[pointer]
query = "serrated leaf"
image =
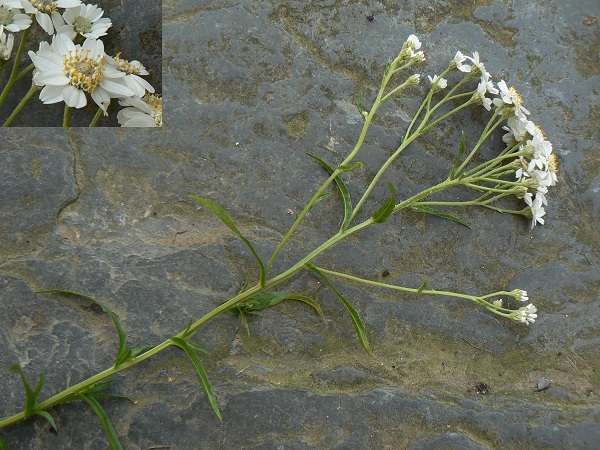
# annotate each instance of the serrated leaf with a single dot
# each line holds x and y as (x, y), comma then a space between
(111, 434)
(424, 285)
(46, 415)
(344, 193)
(382, 214)
(124, 352)
(227, 220)
(30, 394)
(358, 325)
(435, 212)
(204, 382)
(461, 151)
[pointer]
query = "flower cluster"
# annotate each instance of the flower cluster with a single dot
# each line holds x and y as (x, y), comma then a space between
(74, 63)
(536, 166)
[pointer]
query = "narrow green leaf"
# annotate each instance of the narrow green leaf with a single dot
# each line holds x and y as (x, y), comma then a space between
(309, 301)
(187, 329)
(197, 347)
(204, 382)
(109, 395)
(227, 220)
(435, 212)
(30, 395)
(356, 165)
(358, 325)
(344, 193)
(3, 445)
(461, 151)
(382, 214)
(113, 439)
(96, 387)
(245, 323)
(323, 196)
(424, 285)
(139, 350)
(46, 415)
(124, 352)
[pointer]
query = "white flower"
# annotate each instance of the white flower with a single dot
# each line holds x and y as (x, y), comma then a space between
(486, 79)
(86, 21)
(132, 70)
(457, 63)
(481, 91)
(520, 295)
(537, 212)
(11, 16)
(413, 80)
(478, 68)
(46, 14)
(6, 44)
(141, 112)
(510, 96)
(68, 71)
(441, 83)
(528, 314)
(418, 57)
(413, 42)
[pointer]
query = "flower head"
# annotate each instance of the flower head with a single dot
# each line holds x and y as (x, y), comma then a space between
(46, 14)
(132, 71)
(68, 71)
(510, 96)
(12, 18)
(438, 82)
(141, 112)
(477, 68)
(527, 314)
(6, 44)
(86, 21)
(457, 63)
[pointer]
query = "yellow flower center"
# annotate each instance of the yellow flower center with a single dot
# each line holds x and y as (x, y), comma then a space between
(155, 102)
(81, 25)
(553, 163)
(45, 6)
(126, 66)
(84, 72)
(516, 97)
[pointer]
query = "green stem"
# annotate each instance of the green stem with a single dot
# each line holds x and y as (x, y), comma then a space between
(94, 121)
(20, 106)
(67, 116)
(336, 172)
(14, 76)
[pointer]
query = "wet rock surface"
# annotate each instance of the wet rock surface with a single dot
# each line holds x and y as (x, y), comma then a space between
(249, 88)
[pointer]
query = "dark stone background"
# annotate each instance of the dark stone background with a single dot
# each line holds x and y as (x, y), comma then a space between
(250, 86)
(136, 33)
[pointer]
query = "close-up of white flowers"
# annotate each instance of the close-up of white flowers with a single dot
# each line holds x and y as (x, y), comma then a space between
(72, 66)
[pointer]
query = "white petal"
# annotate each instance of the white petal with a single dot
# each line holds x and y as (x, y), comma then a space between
(45, 22)
(74, 97)
(52, 94)
(101, 97)
(53, 77)
(115, 89)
